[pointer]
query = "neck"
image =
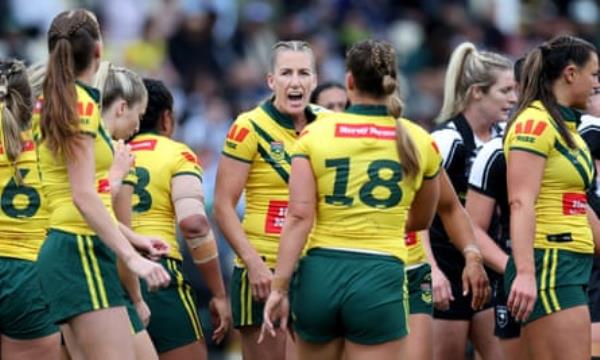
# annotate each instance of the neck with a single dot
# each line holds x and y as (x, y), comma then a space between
(362, 99)
(479, 124)
(562, 94)
(87, 76)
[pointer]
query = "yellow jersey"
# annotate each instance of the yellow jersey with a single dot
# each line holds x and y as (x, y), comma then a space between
(158, 160)
(363, 195)
(23, 214)
(560, 208)
(55, 180)
(263, 138)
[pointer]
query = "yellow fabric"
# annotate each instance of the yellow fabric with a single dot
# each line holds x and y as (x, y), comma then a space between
(23, 213)
(263, 138)
(55, 181)
(157, 160)
(363, 197)
(560, 211)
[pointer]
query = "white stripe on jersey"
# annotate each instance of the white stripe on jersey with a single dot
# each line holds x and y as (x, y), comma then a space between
(483, 161)
(447, 140)
(589, 123)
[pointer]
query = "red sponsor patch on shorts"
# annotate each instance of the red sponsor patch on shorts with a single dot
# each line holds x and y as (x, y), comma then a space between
(574, 203)
(275, 216)
(410, 238)
(365, 131)
(141, 145)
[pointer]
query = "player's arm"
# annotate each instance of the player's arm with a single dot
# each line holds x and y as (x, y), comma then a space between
(123, 162)
(440, 286)
(81, 172)
(422, 209)
(232, 175)
(480, 208)
(460, 231)
(524, 178)
(188, 201)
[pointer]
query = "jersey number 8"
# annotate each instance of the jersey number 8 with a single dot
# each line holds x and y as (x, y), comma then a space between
(145, 199)
(366, 191)
(12, 190)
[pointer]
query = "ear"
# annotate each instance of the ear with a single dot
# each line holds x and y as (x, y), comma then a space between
(350, 85)
(271, 81)
(98, 49)
(313, 86)
(569, 73)
(476, 92)
(121, 107)
(167, 124)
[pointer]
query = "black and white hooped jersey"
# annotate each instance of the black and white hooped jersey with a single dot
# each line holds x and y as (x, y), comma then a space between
(458, 146)
(589, 129)
(488, 177)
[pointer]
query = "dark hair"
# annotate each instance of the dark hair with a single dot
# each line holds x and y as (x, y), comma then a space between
(314, 96)
(518, 69)
(72, 38)
(17, 104)
(543, 65)
(159, 101)
(372, 64)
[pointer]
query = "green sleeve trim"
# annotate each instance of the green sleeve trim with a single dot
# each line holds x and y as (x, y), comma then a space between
(532, 151)
(88, 133)
(436, 173)
(301, 156)
(236, 158)
(189, 173)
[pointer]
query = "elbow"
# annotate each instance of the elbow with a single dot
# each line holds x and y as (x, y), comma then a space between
(81, 198)
(194, 226)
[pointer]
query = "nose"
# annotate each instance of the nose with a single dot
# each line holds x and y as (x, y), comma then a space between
(512, 97)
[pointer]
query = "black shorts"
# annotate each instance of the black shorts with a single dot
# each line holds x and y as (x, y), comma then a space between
(594, 291)
(506, 327)
(451, 262)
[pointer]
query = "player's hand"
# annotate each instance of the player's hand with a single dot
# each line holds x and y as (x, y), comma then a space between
(123, 161)
(152, 247)
(143, 311)
(475, 281)
(153, 274)
(277, 308)
(220, 314)
(442, 291)
(522, 297)
(260, 278)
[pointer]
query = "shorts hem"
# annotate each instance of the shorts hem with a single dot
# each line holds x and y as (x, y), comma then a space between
(312, 338)
(34, 334)
(563, 306)
(379, 340)
(63, 318)
(173, 346)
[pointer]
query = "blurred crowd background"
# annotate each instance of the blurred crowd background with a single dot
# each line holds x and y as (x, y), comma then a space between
(214, 54)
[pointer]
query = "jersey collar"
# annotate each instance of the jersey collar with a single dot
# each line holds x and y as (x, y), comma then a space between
(93, 92)
(372, 110)
(570, 115)
(282, 119)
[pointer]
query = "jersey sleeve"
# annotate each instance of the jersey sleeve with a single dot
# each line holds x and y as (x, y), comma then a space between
(450, 145)
(590, 132)
(186, 162)
(301, 148)
(433, 162)
(489, 171)
(89, 117)
(531, 133)
(241, 142)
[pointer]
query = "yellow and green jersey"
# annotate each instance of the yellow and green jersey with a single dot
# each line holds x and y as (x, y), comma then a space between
(416, 250)
(560, 208)
(263, 138)
(55, 180)
(363, 195)
(23, 214)
(158, 160)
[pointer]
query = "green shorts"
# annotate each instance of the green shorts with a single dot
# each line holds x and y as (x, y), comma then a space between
(174, 321)
(344, 294)
(78, 274)
(561, 277)
(244, 309)
(23, 309)
(137, 325)
(419, 290)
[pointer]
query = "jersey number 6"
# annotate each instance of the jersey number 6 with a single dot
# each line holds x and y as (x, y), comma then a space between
(12, 190)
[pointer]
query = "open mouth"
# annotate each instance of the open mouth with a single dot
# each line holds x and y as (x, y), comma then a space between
(294, 96)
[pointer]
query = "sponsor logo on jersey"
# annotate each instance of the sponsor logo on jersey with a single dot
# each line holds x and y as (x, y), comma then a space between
(275, 216)
(237, 133)
(529, 130)
(28, 145)
(140, 145)
(410, 238)
(277, 150)
(365, 131)
(189, 157)
(86, 109)
(574, 203)
(103, 186)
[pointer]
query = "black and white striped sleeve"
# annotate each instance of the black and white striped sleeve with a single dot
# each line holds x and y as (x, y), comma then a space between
(488, 173)
(451, 146)
(589, 129)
